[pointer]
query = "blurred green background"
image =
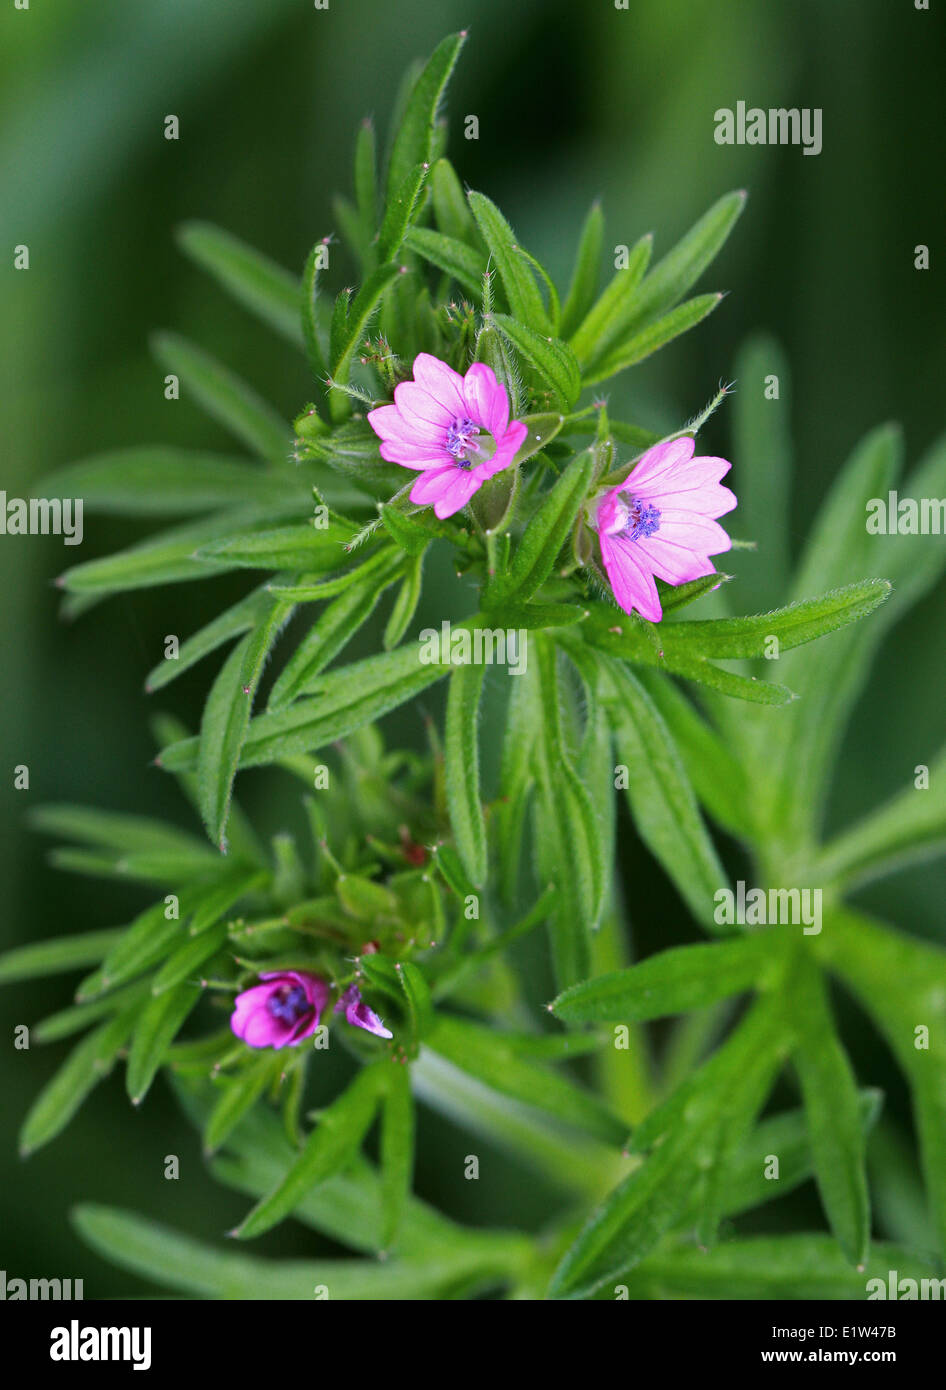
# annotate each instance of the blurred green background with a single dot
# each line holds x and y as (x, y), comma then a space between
(574, 101)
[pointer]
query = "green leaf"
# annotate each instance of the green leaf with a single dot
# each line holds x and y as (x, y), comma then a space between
(661, 798)
(224, 396)
(554, 360)
(675, 981)
(455, 258)
(569, 841)
(257, 282)
(416, 992)
(612, 312)
(226, 719)
(838, 541)
(407, 530)
(484, 1054)
(717, 777)
(762, 444)
(122, 833)
(791, 1267)
(397, 1153)
(612, 632)
(56, 956)
(647, 340)
(311, 328)
(902, 984)
(798, 762)
(347, 336)
(348, 698)
(307, 547)
(523, 716)
(414, 142)
(522, 292)
(584, 280)
(179, 1262)
(232, 622)
(472, 961)
(671, 277)
(89, 1062)
(77, 1017)
(461, 748)
(366, 177)
(337, 624)
(647, 1203)
(142, 944)
(744, 1183)
(402, 211)
(188, 958)
(166, 558)
(240, 1093)
(832, 1110)
(332, 1144)
(405, 605)
(451, 210)
(157, 1026)
(908, 829)
(545, 534)
(798, 623)
(159, 480)
(542, 429)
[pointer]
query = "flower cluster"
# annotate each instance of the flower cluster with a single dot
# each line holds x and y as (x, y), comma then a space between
(287, 1005)
(660, 523)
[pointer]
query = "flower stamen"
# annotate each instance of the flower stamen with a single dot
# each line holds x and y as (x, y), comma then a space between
(460, 442)
(643, 519)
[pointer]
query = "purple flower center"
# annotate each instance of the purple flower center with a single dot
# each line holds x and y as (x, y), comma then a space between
(460, 440)
(288, 1003)
(643, 519)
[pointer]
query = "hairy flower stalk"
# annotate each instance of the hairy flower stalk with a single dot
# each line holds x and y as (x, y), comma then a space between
(454, 429)
(661, 521)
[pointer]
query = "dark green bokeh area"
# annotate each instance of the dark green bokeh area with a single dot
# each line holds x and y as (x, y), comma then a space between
(574, 101)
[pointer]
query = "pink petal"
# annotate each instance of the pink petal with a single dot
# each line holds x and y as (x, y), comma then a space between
(631, 581)
(421, 410)
(413, 455)
(454, 498)
(698, 533)
(246, 1003)
(388, 422)
(661, 460)
(304, 1028)
(486, 400)
(441, 382)
(672, 562)
(698, 474)
(262, 1030)
(432, 484)
(449, 489)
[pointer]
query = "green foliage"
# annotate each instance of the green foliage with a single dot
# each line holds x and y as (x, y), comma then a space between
(425, 871)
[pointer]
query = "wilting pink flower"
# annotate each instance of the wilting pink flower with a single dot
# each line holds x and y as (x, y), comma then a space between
(660, 521)
(454, 429)
(283, 1010)
(358, 1013)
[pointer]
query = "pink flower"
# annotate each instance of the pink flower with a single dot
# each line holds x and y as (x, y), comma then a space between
(660, 521)
(283, 1010)
(358, 1013)
(454, 429)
